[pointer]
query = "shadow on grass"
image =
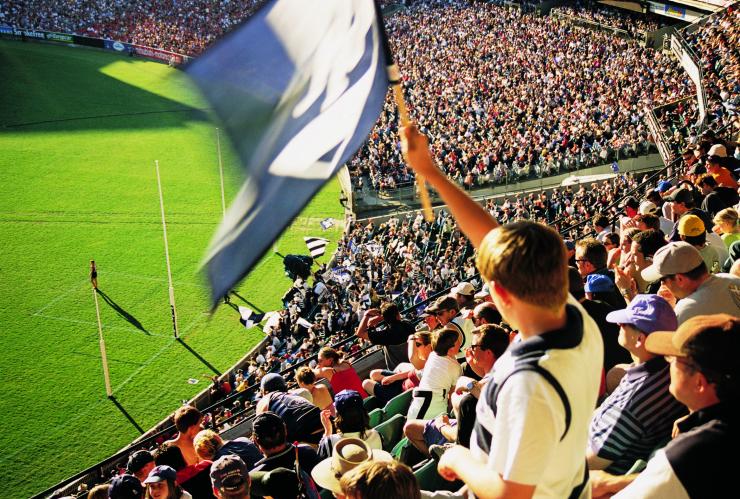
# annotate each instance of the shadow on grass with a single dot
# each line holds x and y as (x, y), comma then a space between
(126, 414)
(124, 314)
(251, 305)
(199, 356)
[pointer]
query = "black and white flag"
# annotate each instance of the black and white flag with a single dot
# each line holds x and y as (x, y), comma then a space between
(297, 88)
(316, 245)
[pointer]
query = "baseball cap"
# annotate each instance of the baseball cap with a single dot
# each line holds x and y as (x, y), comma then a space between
(663, 186)
(441, 304)
(717, 150)
(138, 460)
(673, 258)
(347, 399)
(161, 473)
(463, 288)
(125, 487)
(229, 473)
(630, 201)
(648, 313)
(681, 195)
(273, 382)
(711, 342)
(597, 283)
(647, 207)
(690, 225)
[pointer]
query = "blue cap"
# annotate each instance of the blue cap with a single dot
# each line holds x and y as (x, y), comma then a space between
(347, 399)
(125, 487)
(161, 473)
(598, 283)
(569, 244)
(648, 313)
(663, 185)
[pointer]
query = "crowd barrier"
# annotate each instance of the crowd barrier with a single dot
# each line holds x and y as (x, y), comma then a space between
(132, 49)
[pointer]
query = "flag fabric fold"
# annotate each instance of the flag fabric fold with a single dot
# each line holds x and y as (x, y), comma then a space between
(249, 318)
(297, 88)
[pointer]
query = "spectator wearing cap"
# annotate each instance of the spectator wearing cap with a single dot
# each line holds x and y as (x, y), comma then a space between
(650, 208)
(464, 293)
(681, 269)
(705, 373)
(348, 454)
(598, 310)
(188, 421)
(351, 420)
(140, 463)
(303, 419)
(161, 484)
(682, 202)
(210, 446)
(600, 287)
(269, 433)
(380, 480)
(691, 229)
(386, 327)
(591, 259)
(126, 487)
(717, 155)
(230, 478)
(445, 312)
(638, 415)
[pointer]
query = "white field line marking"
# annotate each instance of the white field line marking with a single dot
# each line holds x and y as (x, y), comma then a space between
(156, 355)
(60, 298)
(105, 327)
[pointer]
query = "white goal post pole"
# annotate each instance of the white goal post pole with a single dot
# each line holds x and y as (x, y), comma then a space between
(221, 171)
(173, 308)
(101, 341)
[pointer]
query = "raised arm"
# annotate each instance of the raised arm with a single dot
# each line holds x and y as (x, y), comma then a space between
(472, 218)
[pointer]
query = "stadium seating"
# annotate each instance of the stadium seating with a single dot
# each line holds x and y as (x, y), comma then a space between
(391, 431)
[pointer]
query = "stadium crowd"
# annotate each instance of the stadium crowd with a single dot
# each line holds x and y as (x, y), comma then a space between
(633, 23)
(531, 97)
(185, 27)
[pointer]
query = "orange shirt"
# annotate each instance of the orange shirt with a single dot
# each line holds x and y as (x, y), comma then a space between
(723, 176)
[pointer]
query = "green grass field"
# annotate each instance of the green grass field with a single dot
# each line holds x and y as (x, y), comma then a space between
(79, 133)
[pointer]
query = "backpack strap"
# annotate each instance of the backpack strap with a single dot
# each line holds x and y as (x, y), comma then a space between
(531, 364)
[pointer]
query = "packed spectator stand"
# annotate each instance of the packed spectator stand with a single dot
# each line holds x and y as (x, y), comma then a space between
(410, 262)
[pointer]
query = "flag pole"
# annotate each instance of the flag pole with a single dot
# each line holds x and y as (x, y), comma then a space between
(173, 309)
(221, 171)
(394, 75)
(101, 342)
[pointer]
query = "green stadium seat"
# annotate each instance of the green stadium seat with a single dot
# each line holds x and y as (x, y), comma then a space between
(405, 452)
(391, 431)
(429, 478)
(371, 403)
(398, 404)
(377, 416)
(326, 494)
